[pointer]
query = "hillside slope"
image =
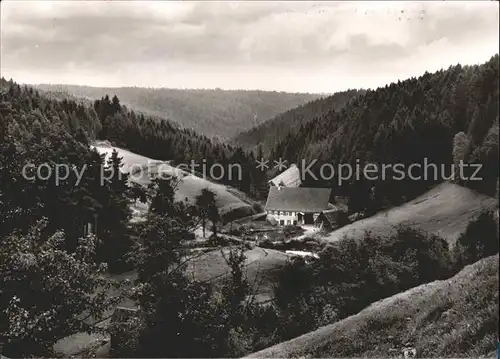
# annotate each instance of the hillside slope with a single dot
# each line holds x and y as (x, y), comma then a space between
(229, 200)
(276, 129)
(445, 211)
(450, 318)
(214, 113)
(261, 269)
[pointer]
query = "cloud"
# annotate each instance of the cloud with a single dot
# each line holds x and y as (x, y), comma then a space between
(281, 43)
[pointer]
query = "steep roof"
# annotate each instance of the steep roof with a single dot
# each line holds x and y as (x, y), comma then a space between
(298, 199)
(334, 217)
(330, 216)
(288, 178)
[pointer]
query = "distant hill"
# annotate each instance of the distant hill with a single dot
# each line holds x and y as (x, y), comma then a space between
(276, 129)
(448, 318)
(214, 113)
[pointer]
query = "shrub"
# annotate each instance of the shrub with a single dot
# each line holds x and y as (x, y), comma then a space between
(479, 240)
(426, 255)
(47, 293)
(236, 229)
(125, 336)
(216, 241)
(292, 231)
(249, 245)
(266, 243)
(257, 208)
(351, 274)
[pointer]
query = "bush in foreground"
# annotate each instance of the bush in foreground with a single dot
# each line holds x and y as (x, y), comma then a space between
(350, 275)
(47, 293)
(479, 240)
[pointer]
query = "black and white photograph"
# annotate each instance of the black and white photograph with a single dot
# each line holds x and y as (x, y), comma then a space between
(249, 179)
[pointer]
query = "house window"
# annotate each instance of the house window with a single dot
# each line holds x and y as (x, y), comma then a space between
(281, 213)
(282, 222)
(294, 223)
(87, 229)
(286, 213)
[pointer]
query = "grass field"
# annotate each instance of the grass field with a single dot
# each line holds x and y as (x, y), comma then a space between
(261, 265)
(457, 317)
(444, 210)
(229, 200)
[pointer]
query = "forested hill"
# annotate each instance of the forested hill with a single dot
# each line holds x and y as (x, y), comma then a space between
(107, 119)
(214, 113)
(276, 129)
(447, 116)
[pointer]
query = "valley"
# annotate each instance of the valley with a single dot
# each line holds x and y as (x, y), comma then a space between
(223, 179)
(280, 268)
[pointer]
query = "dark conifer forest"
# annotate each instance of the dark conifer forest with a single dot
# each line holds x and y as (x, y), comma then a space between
(249, 179)
(447, 116)
(268, 133)
(215, 113)
(444, 117)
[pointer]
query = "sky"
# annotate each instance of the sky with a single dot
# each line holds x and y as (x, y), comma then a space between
(320, 47)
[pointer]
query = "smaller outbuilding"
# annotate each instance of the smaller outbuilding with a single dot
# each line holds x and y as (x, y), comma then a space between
(332, 219)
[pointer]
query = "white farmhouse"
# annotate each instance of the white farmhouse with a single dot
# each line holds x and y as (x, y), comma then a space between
(296, 205)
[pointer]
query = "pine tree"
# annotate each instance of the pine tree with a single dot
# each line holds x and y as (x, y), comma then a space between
(115, 215)
(207, 208)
